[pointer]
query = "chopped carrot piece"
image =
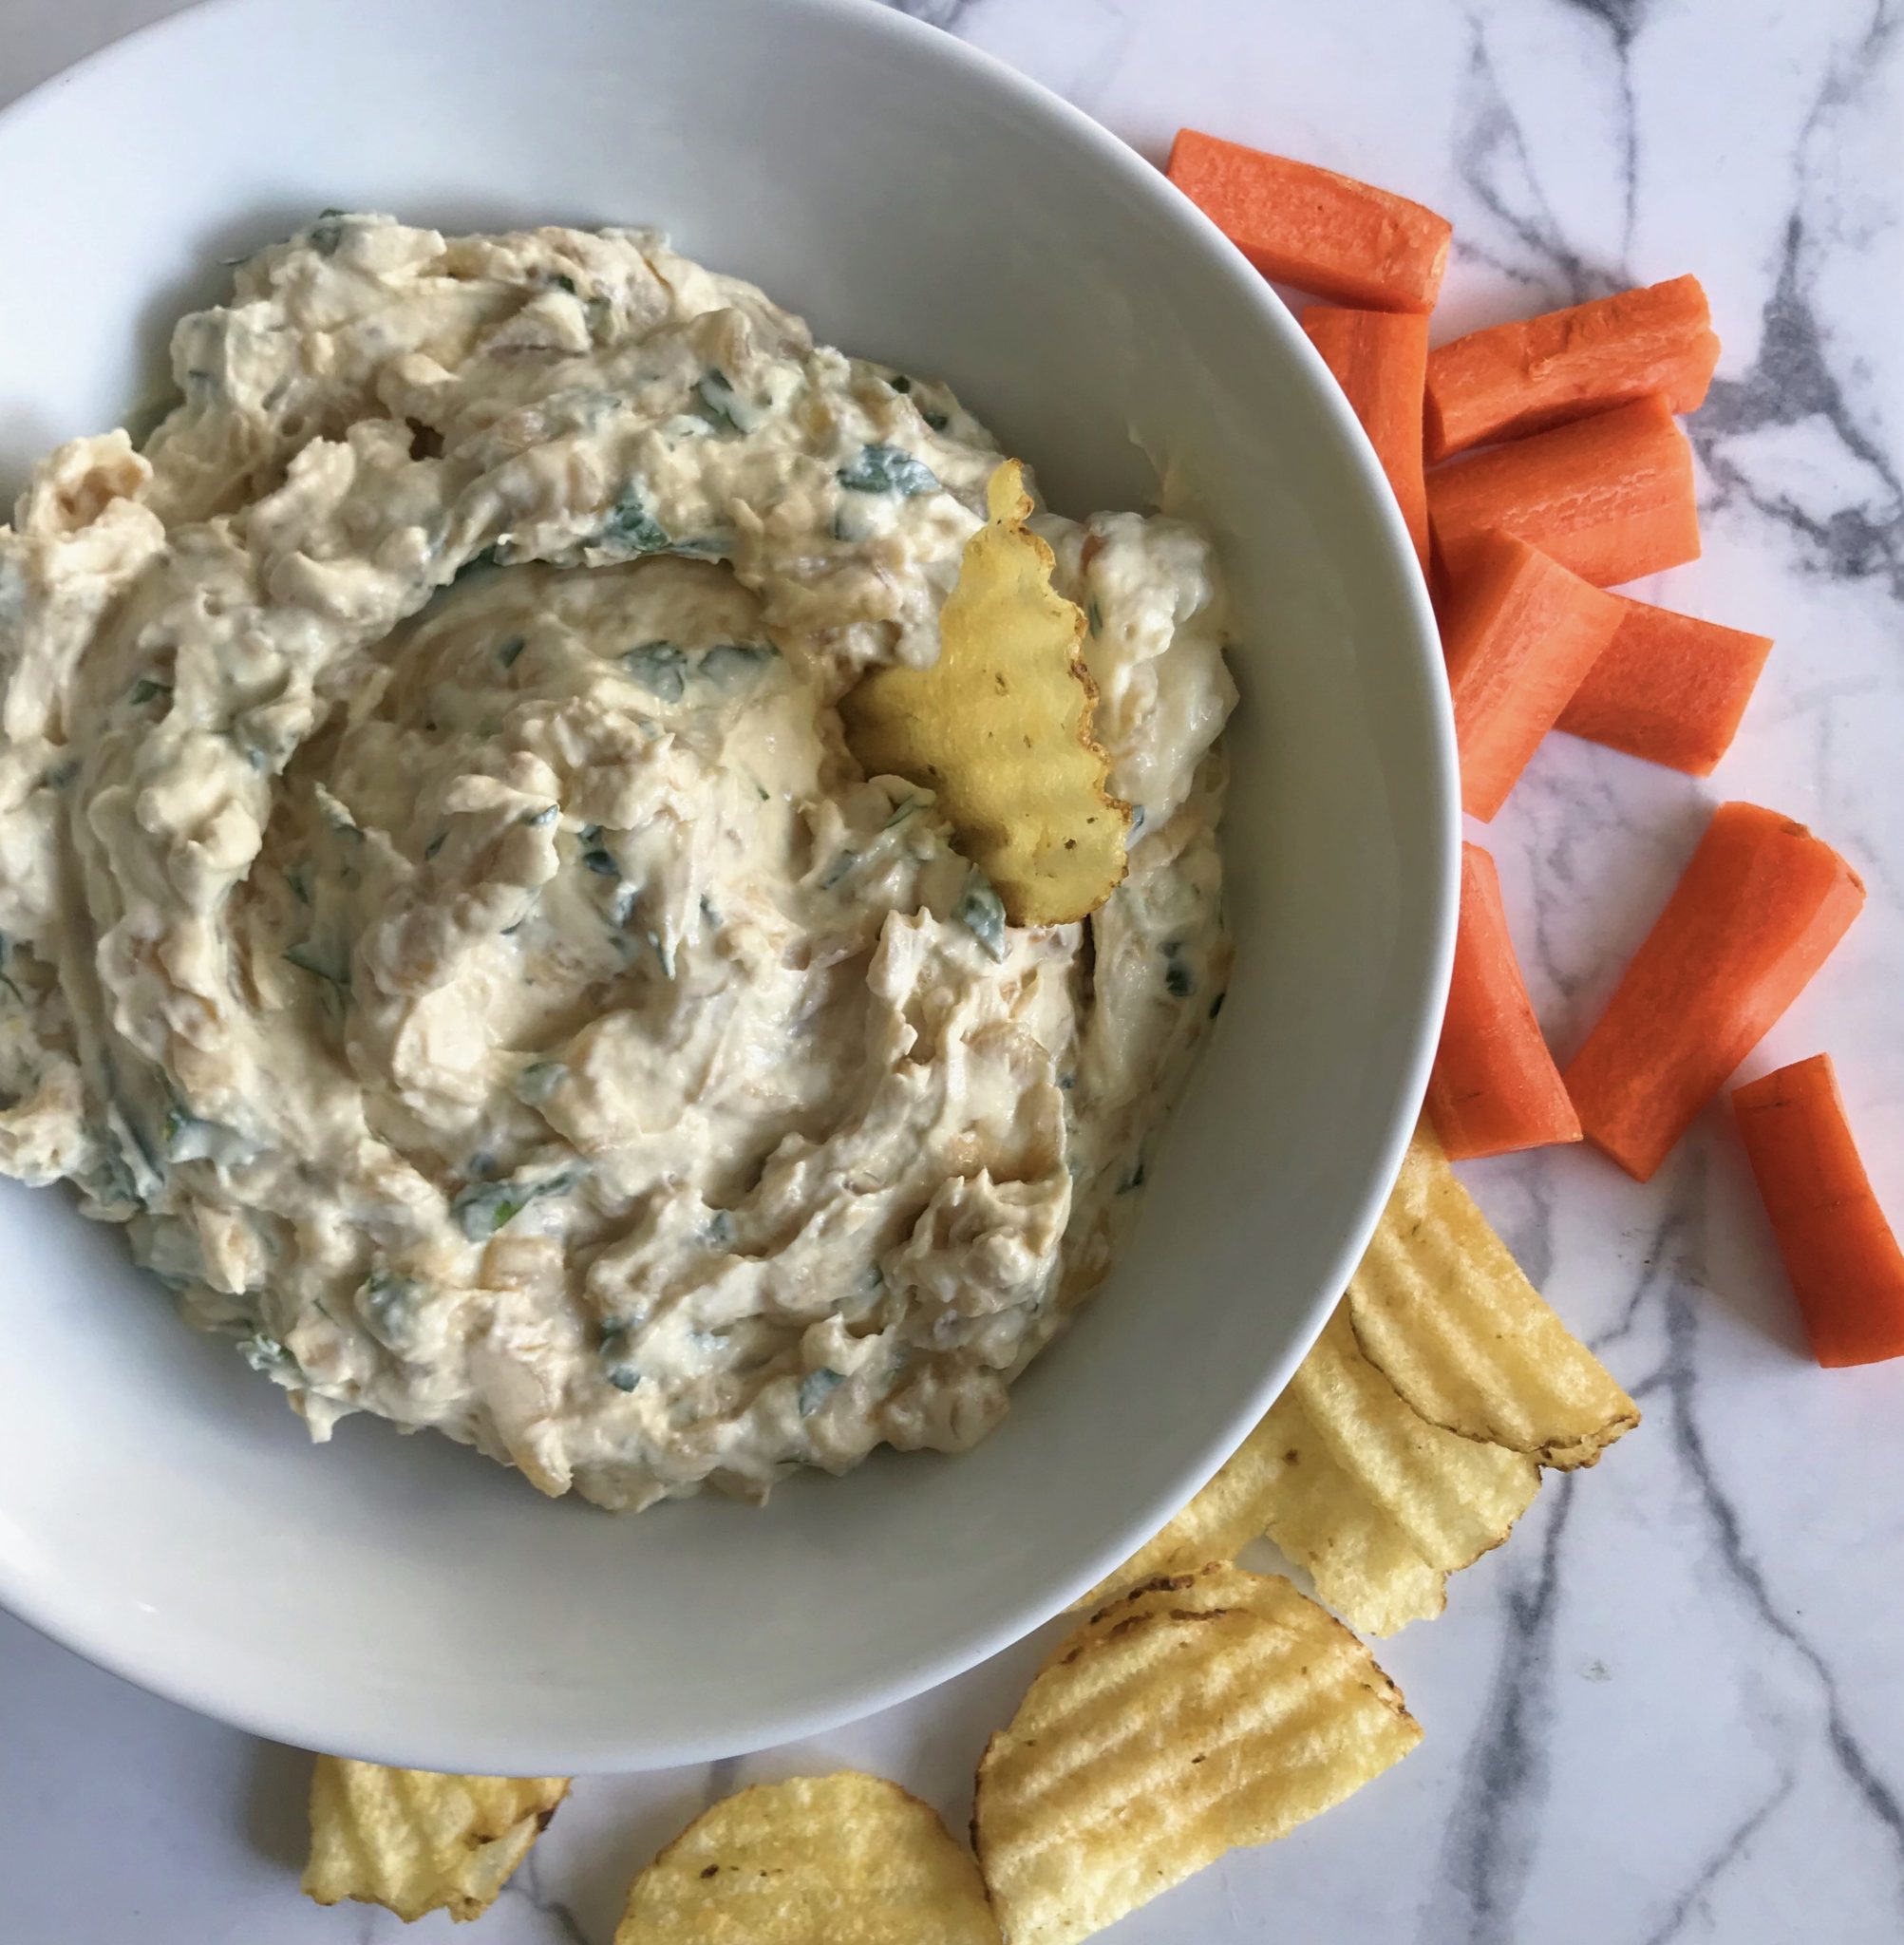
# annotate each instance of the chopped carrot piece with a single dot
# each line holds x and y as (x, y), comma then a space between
(1494, 1089)
(1610, 496)
(1520, 633)
(1378, 358)
(1535, 373)
(1669, 688)
(1330, 234)
(1755, 914)
(1841, 1254)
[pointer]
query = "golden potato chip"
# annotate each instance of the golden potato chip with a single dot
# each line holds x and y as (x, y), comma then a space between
(1283, 1483)
(1442, 1310)
(1363, 1564)
(1222, 1519)
(1200, 1714)
(1454, 1499)
(999, 728)
(845, 1860)
(415, 1842)
(1216, 1584)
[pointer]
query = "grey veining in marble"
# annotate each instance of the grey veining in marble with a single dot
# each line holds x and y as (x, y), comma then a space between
(1671, 1708)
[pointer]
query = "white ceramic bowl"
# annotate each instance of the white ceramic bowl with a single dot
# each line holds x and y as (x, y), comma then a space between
(160, 1511)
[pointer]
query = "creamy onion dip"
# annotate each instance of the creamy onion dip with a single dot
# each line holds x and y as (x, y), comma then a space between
(444, 925)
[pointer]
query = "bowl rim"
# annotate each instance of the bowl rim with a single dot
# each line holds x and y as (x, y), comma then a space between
(159, 1671)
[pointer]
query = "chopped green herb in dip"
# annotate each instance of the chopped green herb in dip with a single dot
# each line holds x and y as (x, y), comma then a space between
(981, 911)
(660, 668)
(816, 1388)
(888, 469)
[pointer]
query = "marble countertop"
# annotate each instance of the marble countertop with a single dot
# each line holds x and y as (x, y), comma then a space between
(1672, 1707)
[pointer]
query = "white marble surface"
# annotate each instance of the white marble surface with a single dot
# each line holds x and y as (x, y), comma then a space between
(1672, 1707)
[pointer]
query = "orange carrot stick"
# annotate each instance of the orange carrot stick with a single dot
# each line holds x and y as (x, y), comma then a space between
(1326, 234)
(1838, 1251)
(1669, 688)
(1494, 1089)
(1535, 373)
(1378, 358)
(1610, 496)
(1757, 912)
(1520, 633)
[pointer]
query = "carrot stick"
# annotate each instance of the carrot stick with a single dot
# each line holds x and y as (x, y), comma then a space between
(1535, 373)
(1838, 1251)
(1330, 234)
(1378, 358)
(1760, 907)
(1669, 688)
(1609, 497)
(1520, 633)
(1494, 1087)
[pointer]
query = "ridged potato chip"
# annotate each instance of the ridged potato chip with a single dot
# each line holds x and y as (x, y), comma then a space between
(999, 728)
(844, 1860)
(1378, 1510)
(1363, 1564)
(1197, 1714)
(1454, 1499)
(1404, 1446)
(1282, 1482)
(416, 1842)
(1216, 1584)
(1442, 1310)
(1217, 1524)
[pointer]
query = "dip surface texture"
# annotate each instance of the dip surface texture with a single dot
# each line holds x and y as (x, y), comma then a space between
(443, 922)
